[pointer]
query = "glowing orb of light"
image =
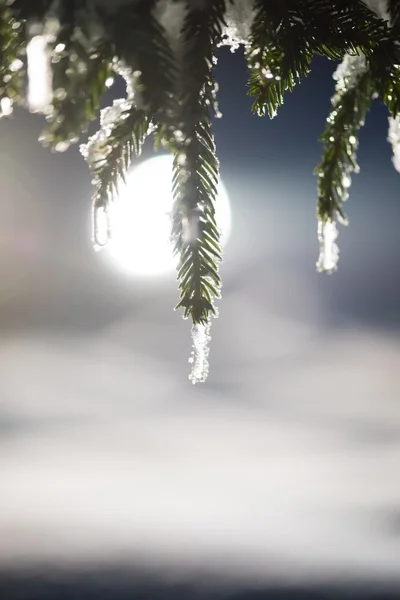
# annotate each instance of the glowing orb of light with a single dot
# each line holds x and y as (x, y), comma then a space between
(141, 219)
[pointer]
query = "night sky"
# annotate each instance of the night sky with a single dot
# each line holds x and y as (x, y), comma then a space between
(278, 477)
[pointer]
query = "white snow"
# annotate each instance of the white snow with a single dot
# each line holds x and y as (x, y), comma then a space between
(348, 73)
(126, 73)
(97, 147)
(239, 18)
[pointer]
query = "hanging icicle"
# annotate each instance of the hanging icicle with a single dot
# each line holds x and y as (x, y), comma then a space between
(329, 251)
(101, 233)
(199, 358)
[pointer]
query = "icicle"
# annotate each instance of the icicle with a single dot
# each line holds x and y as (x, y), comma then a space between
(329, 251)
(40, 91)
(101, 227)
(199, 358)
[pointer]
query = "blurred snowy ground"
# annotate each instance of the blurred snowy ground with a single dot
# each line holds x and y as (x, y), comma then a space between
(283, 466)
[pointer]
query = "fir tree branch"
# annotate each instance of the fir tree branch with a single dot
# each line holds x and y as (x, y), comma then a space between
(386, 75)
(195, 179)
(340, 140)
(33, 10)
(11, 54)
(287, 34)
(279, 54)
(334, 31)
(138, 39)
(81, 67)
(394, 13)
(109, 152)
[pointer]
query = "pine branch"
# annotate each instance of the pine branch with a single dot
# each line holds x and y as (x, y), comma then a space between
(11, 65)
(287, 34)
(334, 31)
(109, 154)
(195, 179)
(32, 10)
(138, 39)
(279, 54)
(386, 75)
(81, 67)
(394, 13)
(340, 140)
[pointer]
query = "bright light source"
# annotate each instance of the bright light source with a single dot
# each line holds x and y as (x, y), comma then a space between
(141, 219)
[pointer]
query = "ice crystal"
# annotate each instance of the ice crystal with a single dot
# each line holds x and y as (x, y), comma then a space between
(200, 350)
